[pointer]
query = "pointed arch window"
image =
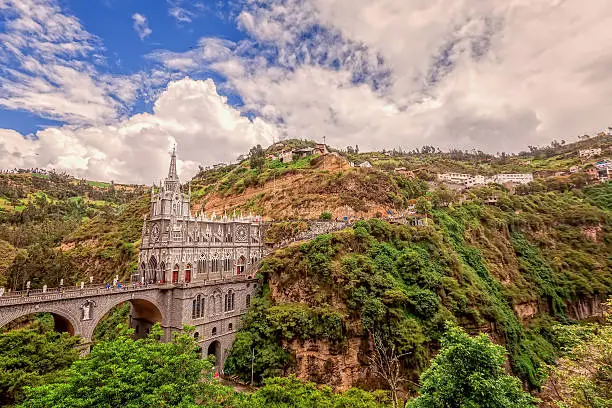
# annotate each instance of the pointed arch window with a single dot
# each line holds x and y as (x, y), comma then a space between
(240, 265)
(188, 273)
(230, 298)
(162, 271)
(214, 331)
(175, 274)
(198, 308)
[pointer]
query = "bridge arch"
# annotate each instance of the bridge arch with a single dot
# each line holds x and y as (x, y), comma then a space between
(65, 320)
(145, 311)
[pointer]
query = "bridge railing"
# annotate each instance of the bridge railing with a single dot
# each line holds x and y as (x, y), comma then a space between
(36, 295)
(32, 296)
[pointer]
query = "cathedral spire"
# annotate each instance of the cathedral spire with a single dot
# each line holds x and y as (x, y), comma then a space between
(172, 181)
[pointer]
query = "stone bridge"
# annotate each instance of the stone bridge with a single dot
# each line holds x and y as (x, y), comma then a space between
(79, 311)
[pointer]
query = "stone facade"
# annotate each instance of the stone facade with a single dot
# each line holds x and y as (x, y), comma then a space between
(201, 254)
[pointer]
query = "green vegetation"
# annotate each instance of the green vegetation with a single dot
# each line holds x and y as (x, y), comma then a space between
(469, 372)
(290, 392)
(107, 328)
(325, 215)
(33, 356)
(124, 372)
(128, 373)
(41, 216)
(583, 377)
(474, 265)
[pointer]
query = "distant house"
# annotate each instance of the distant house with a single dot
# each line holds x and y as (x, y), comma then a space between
(516, 178)
(476, 180)
(468, 180)
(604, 174)
(604, 164)
(456, 178)
(304, 152)
(365, 164)
(286, 156)
(321, 148)
(560, 173)
(586, 153)
(404, 172)
(574, 169)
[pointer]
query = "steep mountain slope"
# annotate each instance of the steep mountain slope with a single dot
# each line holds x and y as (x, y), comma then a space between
(510, 270)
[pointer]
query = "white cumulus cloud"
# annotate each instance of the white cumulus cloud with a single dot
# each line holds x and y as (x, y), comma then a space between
(189, 113)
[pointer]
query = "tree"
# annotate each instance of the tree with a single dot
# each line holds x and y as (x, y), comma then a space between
(33, 356)
(469, 372)
(325, 215)
(257, 157)
(133, 373)
(386, 364)
(422, 205)
(289, 392)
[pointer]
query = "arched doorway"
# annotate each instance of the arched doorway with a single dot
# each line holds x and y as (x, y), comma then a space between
(214, 349)
(175, 273)
(240, 265)
(152, 278)
(188, 273)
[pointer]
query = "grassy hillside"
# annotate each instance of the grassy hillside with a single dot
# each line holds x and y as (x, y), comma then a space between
(44, 215)
(306, 187)
(511, 270)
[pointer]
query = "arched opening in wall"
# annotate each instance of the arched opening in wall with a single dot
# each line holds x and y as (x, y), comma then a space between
(162, 272)
(137, 314)
(152, 276)
(175, 274)
(240, 265)
(188, 273)
(47, 321)
(142, 271)
(215, 350)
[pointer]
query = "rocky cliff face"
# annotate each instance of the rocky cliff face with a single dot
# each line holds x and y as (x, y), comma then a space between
(340, 366)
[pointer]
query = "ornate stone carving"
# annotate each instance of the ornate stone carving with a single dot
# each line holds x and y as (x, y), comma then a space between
(241, 233)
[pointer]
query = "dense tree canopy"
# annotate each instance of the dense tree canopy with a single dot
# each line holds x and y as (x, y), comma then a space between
(469, 373)
(129, 373)
(33, 356)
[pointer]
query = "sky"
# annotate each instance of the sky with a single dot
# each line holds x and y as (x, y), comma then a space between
(103, 89)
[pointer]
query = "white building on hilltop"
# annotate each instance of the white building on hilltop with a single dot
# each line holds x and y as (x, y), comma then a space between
(516, 178)
(469, 180)
(586, 153)
(455, 178)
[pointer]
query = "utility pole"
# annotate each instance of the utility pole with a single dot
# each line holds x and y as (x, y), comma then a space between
(252, 364)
